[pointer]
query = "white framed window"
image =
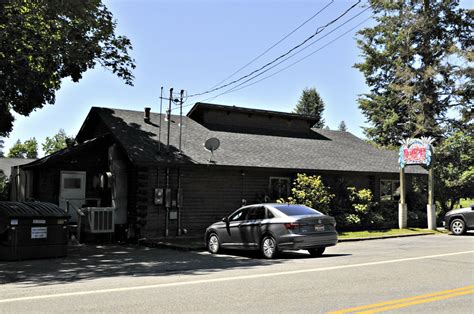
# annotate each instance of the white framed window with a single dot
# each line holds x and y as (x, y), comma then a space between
(279, 187)
(389, 190)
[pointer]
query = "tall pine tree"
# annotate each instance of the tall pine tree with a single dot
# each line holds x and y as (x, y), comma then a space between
(418, 64)
(310, 103)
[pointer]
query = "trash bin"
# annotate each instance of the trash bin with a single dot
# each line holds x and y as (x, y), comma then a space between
(31, 230)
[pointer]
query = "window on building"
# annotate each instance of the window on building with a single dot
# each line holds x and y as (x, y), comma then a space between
(72, 183)
(279, 187)
(389, 190)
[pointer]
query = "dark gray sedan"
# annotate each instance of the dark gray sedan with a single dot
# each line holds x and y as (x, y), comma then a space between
(271, 228)
(458, 221)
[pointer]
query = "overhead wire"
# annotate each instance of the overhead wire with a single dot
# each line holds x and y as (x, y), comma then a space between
(318, 30)
(274, 45)
(236, 88)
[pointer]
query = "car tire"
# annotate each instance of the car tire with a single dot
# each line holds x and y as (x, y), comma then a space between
(213, 244)
(268, 247)
(316, 252)
(458, 226)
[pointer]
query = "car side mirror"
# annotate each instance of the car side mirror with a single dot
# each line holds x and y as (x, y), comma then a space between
(225, 219)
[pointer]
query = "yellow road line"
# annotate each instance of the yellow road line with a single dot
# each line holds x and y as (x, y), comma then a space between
(397, 306)
(393, 302)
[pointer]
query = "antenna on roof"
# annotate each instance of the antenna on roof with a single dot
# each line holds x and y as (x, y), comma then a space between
(211, 145)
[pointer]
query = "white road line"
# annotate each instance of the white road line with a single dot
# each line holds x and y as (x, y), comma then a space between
(204, 281)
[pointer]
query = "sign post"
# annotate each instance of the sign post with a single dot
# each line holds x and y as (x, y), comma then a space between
(431, 208)
(402, 206)
(416, 152)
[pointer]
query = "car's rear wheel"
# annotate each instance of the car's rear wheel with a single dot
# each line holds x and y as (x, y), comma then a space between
(316, 252)
(269, 247)
(213, 244)
(458, 226)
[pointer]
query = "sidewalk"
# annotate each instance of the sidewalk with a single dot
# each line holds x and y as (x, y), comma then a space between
(196, 243)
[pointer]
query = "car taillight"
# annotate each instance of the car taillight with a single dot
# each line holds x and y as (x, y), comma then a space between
(292, 225)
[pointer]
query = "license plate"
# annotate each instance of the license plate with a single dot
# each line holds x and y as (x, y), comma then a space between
(319, 228)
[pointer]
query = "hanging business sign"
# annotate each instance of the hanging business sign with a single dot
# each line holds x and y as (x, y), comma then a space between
(416, 152)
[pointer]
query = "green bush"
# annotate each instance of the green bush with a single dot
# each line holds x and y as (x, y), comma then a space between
(310, 191)
(363, 205)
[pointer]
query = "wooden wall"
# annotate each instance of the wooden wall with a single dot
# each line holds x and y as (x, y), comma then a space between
(46, 179)
(209, 193)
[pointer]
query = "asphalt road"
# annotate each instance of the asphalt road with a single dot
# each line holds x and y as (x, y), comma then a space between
(425, 274)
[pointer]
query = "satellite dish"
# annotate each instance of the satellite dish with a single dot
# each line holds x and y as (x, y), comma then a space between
(211, 145)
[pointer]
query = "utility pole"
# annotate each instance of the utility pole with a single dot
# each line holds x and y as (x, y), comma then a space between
(180, 118)
(161, 124)
(168, 114)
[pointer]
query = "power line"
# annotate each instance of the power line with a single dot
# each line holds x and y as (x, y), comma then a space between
(299, 60)
(319, 30)
(235, 88)
(274, 45)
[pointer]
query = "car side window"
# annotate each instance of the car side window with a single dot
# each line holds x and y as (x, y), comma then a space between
(239, 215)
(269, 214)
(256, 213)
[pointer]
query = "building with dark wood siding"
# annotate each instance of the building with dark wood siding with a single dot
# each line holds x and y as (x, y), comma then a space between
(167, 183)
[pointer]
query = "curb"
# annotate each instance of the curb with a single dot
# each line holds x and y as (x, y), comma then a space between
(178, 247)
(172, 246)
(386, 237)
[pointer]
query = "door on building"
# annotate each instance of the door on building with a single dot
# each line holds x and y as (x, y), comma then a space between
(73, 190)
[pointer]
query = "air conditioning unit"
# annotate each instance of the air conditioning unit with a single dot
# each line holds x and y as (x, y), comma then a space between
(101, 219)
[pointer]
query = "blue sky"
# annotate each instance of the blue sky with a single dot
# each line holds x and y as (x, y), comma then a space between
(192, 45)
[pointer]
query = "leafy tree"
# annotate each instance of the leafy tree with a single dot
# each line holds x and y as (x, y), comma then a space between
(310, 103)
(28, 149)
(45, 41)
(57, 142)
(418, 64)
(454, 168)
(310, 191)
(4, 186)
(342, 126)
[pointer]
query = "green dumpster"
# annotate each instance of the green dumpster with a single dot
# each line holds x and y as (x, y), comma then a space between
(31, 230)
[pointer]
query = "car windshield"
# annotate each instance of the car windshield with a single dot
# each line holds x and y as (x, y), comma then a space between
(296, 210)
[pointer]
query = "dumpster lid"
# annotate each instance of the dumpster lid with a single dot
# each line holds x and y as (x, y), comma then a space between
(31, 209)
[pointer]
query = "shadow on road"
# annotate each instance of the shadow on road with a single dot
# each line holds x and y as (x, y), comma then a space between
(93, 262)
(285, 255)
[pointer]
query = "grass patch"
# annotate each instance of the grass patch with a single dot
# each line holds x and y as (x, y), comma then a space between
(381, 233)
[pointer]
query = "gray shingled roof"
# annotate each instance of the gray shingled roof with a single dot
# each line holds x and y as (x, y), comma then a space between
(342, 151)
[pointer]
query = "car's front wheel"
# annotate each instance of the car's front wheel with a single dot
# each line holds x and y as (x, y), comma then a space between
(269, 247)
(316, 252)
(213, 244)
(458, 226)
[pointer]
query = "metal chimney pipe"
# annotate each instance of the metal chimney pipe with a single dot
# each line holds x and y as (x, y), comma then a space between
(146, 116)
